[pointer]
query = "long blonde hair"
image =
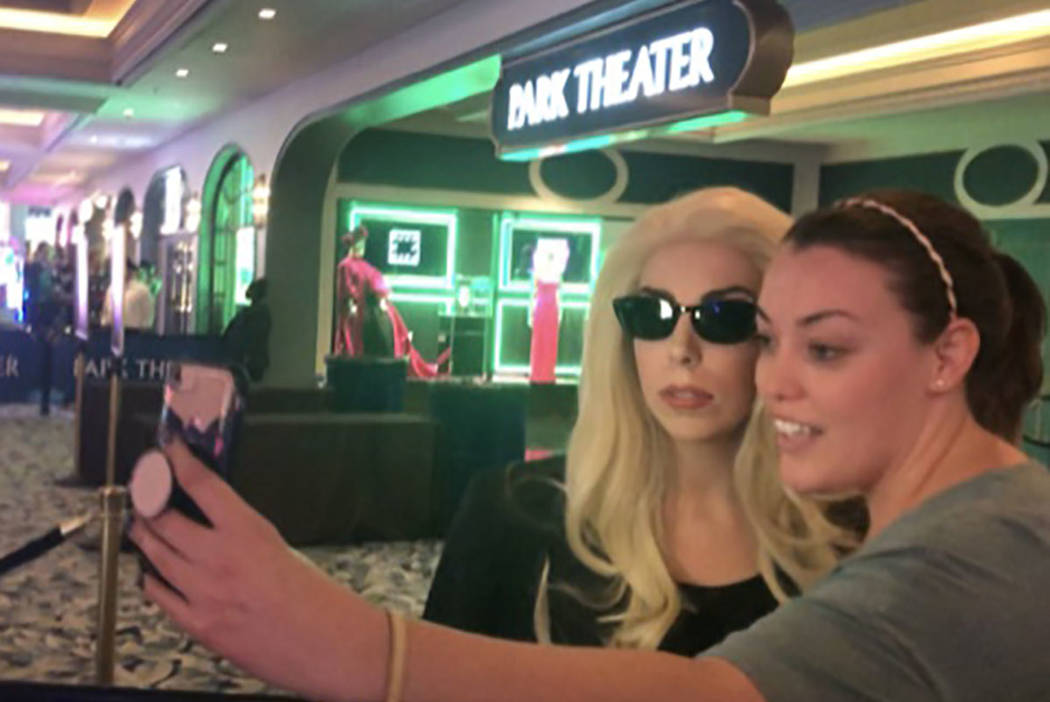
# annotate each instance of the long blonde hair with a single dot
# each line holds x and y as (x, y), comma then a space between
(615, 480)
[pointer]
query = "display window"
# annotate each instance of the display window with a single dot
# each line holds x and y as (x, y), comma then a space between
(413, 248)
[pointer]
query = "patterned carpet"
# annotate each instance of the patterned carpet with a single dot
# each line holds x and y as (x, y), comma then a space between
(48, 607)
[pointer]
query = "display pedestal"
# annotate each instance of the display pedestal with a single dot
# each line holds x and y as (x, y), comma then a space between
(366, 384)
(465, 335)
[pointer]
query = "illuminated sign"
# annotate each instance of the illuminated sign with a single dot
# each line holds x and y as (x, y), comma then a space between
(689, 60)
(511, 354)
(244, 269)
(174, 190)
(412, 247)
(521, 238)
(403, 247)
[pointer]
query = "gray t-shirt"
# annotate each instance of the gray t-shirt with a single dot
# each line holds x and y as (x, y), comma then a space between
(950, 602)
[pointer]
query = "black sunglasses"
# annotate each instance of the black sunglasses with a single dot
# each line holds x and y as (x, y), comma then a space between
(722, 321)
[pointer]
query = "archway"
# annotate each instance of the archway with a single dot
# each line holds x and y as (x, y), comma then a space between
(296, 251)
(226, 208)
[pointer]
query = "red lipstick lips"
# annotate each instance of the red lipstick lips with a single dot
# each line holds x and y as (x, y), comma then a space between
(686, 397)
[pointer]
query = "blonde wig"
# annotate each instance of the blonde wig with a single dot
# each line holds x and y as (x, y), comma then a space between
(618, 455)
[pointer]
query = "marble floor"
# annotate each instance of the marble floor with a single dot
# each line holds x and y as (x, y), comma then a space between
(47, 607)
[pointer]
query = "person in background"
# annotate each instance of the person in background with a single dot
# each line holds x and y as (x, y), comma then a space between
(98, 285)
(665, 526)
(41, 314)
(65, 282)
(138, 302)
(247, 336)
(38, 308)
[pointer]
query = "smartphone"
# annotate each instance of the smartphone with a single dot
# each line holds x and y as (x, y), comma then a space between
(203, 406)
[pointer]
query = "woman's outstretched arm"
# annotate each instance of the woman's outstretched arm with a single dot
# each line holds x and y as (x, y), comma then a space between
(238, 589)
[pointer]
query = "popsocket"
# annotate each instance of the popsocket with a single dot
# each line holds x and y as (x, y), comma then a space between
(151, 484)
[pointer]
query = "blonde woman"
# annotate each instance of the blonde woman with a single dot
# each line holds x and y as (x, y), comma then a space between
(665, 525)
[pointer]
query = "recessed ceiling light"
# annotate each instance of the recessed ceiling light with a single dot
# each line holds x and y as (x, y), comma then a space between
(182, 72)
(4, 165)
(94, 138)
(129, 113)
(220, 47)
(21, 118)
(267, 13)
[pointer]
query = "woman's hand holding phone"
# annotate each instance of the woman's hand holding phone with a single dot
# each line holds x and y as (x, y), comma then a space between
(242, 592)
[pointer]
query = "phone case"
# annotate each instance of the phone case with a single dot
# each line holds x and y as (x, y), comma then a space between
(203, 406)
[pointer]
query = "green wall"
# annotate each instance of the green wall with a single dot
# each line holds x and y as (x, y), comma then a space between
(931, 173)
(406, 159)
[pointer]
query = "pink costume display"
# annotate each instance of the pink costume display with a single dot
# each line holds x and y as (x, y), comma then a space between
(548, 265)
(357, 280)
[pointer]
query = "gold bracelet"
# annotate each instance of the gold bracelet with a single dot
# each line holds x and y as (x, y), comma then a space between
(396, 669)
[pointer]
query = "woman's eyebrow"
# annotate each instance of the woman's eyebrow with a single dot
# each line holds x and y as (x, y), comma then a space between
(821, 315)
(731, 290)
(659, 292)
(716, 294)
(812, 318)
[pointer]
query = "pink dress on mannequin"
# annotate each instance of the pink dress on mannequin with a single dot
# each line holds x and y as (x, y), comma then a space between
(543, 350)
(357, 280)
(548, 265)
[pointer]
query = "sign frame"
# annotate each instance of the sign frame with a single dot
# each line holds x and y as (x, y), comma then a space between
(557, 116)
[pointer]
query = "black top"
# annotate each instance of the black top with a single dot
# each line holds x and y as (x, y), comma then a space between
(246, 339)
(508, 523)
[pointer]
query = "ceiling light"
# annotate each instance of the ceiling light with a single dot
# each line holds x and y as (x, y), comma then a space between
(977, 36)
(219, 47)
(21, 118)
(129, 113)
(94, 138)
(267, 13)
(182, 72)
(4, 165)
(55, 23)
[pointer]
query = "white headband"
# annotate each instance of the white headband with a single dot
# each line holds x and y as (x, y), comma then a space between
(870, 204)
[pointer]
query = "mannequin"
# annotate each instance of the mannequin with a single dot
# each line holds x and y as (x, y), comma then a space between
(548, 265)
(364, 328)
(369, 323)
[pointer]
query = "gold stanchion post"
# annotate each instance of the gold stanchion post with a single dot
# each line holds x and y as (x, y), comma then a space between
(112, 498)
(78, 406)
(112, 504)
(114, 418)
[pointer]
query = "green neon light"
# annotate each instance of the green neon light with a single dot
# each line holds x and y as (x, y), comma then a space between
(451, 86)
(425, 298)
(603, 140)
(499, 366)
(510, 221)
(522, 155)
(448, 218)
(691, 125)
